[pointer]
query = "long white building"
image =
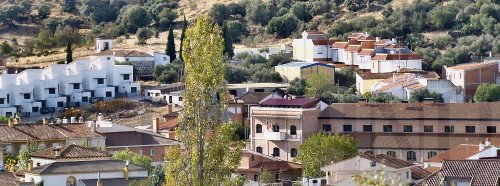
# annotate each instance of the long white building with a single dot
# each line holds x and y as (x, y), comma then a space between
(60, 85)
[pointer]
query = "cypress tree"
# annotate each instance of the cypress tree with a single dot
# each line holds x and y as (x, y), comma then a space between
(183, 34)
(228, 42)
(69, 53)
(170, 51)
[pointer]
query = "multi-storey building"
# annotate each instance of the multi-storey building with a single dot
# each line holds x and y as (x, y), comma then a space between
(278, 126)
(313, 46)
(469, 76)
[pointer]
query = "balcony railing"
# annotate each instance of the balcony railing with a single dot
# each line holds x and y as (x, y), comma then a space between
(275, 136)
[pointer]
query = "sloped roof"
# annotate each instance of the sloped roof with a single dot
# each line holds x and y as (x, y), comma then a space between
(253, 97)
(270, 163)
(34, 132)
(323, 42)
(479, 172)
(8, 179)
(340, 45)
(290, 103)
(134, 138)
(112, 182)
(403, 56)
(459, 152)
(123, 53)
(417, 173)
(366, 52)
(70, 152)
(75, 167)
(472, 66)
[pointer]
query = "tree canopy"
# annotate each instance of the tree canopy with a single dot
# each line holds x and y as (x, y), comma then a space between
(487, 93)
(420, 94)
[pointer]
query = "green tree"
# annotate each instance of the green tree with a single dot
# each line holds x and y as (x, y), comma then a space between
(210, 151)
(5, 48)
(170, 51)
(258, 12)
(443, 16)
(282, 26)
(384, 98)
(137, 159)
(65, 35)
(487, 93)
(43, 10)
(183, 35)
(219, 13)
(103, 10)
(135, 17)
(321, 149)
(228, 42)
(24, 156)
(301, 11)
(44, 40)
(420, 94)
(297, 87)
(235, 29)
(68, 5)
(168, 73)
(166, 18)
(143, 34)
(319, 85)
(69, 53)
(265, 176)
(346, 77)
(237, 74)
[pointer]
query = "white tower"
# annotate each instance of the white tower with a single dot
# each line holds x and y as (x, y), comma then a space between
(103, 44)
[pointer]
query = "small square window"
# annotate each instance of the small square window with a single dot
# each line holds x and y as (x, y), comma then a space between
(109, 94)
(470, 129)
(428, 128)
(108, 58)
(52, 90)
(2, 100)
(408, 128)
(449, 129)
(152, 152)
(327, 127)
(76, 86)
(387, 128)
(85, 99)
(27, 96)
(60, 104)
(34, 109)
(347, 128)
(180, 98)
(126, 76)
(491, 129)
(367, 128)
(133, 89)
(164, 58)
(100, 81)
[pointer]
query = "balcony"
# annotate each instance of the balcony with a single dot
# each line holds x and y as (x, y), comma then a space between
(275, 136)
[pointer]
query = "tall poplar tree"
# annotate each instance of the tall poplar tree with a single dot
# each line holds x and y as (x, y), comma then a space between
(69, 53)
(210, 150)
(183, 35)
(170, 51)
(228, 42)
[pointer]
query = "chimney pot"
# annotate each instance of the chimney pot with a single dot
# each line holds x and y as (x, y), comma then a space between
(30, 165)
(156, 123)
(169, 108)
(57, 152)
(481, 146)
(125, 171)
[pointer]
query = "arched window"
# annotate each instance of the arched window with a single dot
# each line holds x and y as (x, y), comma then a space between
(431, 154)
(411, 156)
(293, 130)
(391, 153)
(276, 128)
(276, 151)
(71, 181)
(258, 128)
(369, 152)
(293, 152)
(259, 149)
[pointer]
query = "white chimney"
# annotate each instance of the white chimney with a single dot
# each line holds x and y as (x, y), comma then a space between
(100, 117)
(65, 121)
(73, 119)
(394, 40)
(156, 123)
(487, 142)
(481, 146)
(377, 38)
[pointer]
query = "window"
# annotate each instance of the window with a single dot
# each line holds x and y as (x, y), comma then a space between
(470, 129)
(293, 130)
(407, 128)
(126, 76)
(109, 94)
(108, 58)
(259, 149)
(41, 146)
(411, 156)
(368, 152)
(327, 127)
(27, 96)
(276, 128)
(76, 86)
(491, 129)
(347, 128)
(293, 152)
(276, 151)
(367, 128)
(449, 129)
(431, 154)
(152, 152)
(180, 98)
(9, 149)
(2, 100)
(387, 128)
(71, 181)
(8, 98)
(428, 128)
(255, 177)
(8, 114)
(164, 58)
(391, 153)
(100, 81)
(133, 89)
(60, 104)
(85, 99)
(259, 90)
(34, 109)
(258, 128)
(52, 90)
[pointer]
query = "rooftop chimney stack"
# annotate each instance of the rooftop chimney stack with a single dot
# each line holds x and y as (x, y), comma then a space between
(100, 117)
(125, 171)
(377, 38)
(73, 119)
(170, 109)
(30, 165)
(57, 152)
(481, 146)
(156, 123)
(487, 142)
(65, 121)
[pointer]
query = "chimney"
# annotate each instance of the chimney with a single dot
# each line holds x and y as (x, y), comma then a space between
(99, 182)
(487, 142)
(30, 165)
(10, 122)
(80, 120)
(65, 121)
(93, 127)
(73, 119)
(394, 41)
(169, 108)
(481, 146)
(156, 123)
(125, 171)
(377, 38)
(57, 152)
(393, 77)
(45, 121)
(100, 117)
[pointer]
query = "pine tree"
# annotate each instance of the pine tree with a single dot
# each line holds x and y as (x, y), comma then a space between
(170, 51)
(69, 53)
(228, 42)
(183, 34)
(210, 151)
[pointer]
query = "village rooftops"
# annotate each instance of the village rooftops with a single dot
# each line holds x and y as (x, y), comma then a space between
(413, 111)
(473, 66)
(40, 132)
(78, 167)
(253, 97)
(290, 103)
(8, 179)
(459, 152)
(123, 136)
(470, 172)
(70, 152)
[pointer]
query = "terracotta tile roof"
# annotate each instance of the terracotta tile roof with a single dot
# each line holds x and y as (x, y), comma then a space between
(270, 163)
(169, 123)
(366, 38)
(71, 152)
(477, 172)
(8, 179)
(291, 103)
(353, 48)
(392, 46)
(472, 66)
(437, 141)
(413, 111)
(432, 169)
(382, 41)
(368, 75)
(366, 52)
(123, 53)
(75, 167)
(253, 97)
(388, 160)
(382, 56)
(355, 35)
(340, 45)
(34, 132)
(459, 152)
(135, 138)
(322, 42)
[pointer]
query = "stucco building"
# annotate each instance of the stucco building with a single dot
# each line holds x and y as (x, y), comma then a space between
(290, 71)
(470, 75)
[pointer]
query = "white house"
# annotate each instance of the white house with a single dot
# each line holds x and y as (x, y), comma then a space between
(82, 173)
(313, 46)
(396, 171)
(161, 93)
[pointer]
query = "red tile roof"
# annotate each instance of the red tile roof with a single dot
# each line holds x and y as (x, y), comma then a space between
(8, 179)
(459, 152)
(322, 42)
(472, 66)
(71, 152)
(382, 56)
(33, 132)
(340, 45)
(366, 52)
(291, 103)
(396, 163)
(476, 172)
(381, 42)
